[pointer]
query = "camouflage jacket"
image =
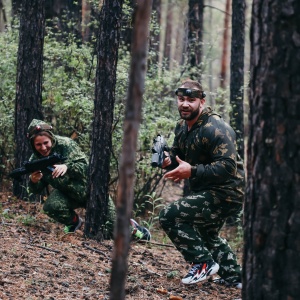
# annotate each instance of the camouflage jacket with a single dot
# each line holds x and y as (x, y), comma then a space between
(74, 182)
(210, 145)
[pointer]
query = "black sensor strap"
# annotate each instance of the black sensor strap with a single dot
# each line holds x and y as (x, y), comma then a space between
(192, 93)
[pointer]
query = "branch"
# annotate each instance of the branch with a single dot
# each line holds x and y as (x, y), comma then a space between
(96, 250)
(155, 243)
(46, 248)
(213, 7)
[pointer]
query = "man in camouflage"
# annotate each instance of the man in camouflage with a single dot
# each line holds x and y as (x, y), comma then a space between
(204, 151)
(69, 179)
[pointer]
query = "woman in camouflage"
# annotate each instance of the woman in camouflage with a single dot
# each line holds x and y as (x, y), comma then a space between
(68, 179)
(204, 151)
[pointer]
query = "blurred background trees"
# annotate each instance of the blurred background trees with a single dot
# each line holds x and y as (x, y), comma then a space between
(179, 47)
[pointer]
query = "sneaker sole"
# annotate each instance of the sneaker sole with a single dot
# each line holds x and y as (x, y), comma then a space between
(220, 281)
(213, 270)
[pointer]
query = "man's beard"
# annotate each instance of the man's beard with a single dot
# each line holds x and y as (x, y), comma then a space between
(190, 117)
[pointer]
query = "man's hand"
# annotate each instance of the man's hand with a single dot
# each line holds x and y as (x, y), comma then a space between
(36, 176)
(181, 172)
(167, 160)
(60, 170)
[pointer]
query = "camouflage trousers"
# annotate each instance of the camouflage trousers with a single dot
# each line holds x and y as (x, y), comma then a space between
(60, 207)
(193, 224)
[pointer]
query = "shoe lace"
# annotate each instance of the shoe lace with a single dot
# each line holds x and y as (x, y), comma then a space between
(194, 269)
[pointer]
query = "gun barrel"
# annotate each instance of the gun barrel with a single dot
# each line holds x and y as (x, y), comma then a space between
(39, 164)
(155, 160)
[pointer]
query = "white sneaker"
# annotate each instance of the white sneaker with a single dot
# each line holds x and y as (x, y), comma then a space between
(200, 272)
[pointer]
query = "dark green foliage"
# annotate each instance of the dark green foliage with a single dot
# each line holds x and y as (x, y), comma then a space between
(68, 99)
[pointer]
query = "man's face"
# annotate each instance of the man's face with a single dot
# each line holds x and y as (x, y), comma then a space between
(43, 145)
(189, 108)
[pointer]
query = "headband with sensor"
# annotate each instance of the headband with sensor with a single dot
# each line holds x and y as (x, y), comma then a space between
(192, 93)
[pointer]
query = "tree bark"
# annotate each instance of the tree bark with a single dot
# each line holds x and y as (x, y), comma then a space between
(155, 34)
(195, 38)
(168, 33)
(107, 54)
(3, 19)
(224, 59)
(127, 165)
(29, 81)
(271, 268)
(237, 72)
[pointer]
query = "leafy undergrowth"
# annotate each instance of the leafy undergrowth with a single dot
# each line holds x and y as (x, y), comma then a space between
(39, 262)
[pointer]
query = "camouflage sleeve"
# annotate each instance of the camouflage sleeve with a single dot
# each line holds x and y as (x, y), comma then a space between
(76, 160)
(220, 142)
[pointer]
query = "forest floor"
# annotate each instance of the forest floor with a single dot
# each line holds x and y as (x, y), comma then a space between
(38, 261)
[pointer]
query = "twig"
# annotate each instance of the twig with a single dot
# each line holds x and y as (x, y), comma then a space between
(46, 248)
(2, 282)
(213, 7)
(96, 250)
(155, 243)
(7, 224)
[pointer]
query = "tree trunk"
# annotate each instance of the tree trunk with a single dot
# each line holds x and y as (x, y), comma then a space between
(224, 59)
(271, 268)
(195, 38)
(29, 81)
(155, 34)
(168, 33)
(210, 98)
(237, 72)
(107, 53)
(3, 18)
(127, 165)
(86, 19)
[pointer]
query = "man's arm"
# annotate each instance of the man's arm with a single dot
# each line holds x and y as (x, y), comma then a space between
(222, 150)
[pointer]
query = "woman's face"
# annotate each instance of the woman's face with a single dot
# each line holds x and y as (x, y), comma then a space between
(42, 144)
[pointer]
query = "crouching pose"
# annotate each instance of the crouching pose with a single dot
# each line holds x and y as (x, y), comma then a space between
(204, 151)
(68, 179)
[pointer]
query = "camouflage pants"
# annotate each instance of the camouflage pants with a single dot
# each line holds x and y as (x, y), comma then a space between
(193, 224)
(60, 207)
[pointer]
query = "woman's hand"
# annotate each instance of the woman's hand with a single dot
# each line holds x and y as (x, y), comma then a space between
(60, 170)
(36, 176)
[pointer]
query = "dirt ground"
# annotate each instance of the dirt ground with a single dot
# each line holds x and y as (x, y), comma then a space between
(39, 262)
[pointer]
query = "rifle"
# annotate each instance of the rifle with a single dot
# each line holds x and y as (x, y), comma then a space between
(44, 164)
(159, 146)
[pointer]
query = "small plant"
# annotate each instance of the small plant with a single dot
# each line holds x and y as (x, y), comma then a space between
(6, 214)
(155, 204)
(29, 196)
(27, 220)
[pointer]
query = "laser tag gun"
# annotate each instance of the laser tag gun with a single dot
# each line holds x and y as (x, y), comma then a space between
(159, 146)
(44, 164)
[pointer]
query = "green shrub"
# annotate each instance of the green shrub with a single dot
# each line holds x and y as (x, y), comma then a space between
(68, 99)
